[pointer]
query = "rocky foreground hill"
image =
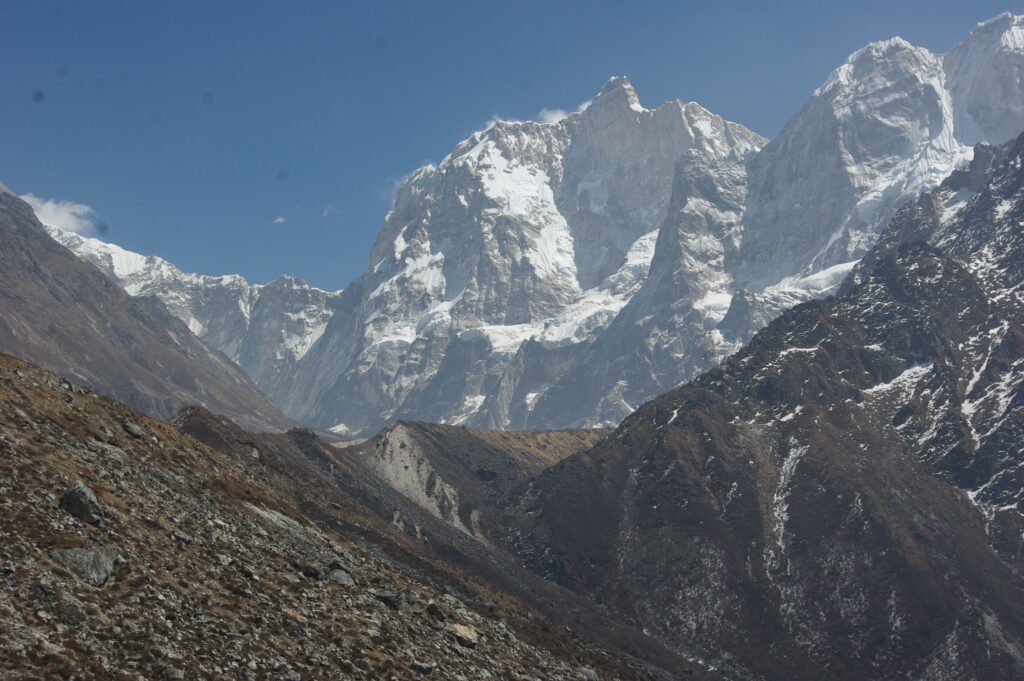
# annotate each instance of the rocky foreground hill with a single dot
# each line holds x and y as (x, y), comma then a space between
(133, 551)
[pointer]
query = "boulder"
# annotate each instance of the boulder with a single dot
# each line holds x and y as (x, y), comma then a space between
(435, 611)
(465, 635)
(341, 578)
(310, 571)
(94, 564)
(399, 600)
(79, 501)
(132, 429)
(422, 667)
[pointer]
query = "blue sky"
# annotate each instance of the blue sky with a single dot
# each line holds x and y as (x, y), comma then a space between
(265, 138)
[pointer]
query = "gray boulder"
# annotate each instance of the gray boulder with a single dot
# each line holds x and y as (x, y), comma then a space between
(79, 501)
(341, 578)
(132, 429)
(94, 564)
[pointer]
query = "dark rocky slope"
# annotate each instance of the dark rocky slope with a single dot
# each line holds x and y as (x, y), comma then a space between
(61, 313)
(841, 499)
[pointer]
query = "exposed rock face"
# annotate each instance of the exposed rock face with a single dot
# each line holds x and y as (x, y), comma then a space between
(64, 314)
(402, 465)
(557, 275)
(842, 498)
(210, 564)
(662, 333)
(409, 473)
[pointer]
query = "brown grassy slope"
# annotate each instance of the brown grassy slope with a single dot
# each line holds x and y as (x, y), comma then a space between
(534, 449)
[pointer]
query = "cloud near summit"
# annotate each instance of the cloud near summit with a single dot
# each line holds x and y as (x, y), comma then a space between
(551, 115)
(67, 215)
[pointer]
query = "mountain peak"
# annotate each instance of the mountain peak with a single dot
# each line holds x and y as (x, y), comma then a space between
(894, 53)
(617, 93)
(982, 71)
(1002, 32)
(1000, 22)
(881, 49)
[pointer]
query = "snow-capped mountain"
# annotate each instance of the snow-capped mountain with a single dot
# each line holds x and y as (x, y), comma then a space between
(891, 122)
(265, 329)
(557, 275)
(527, 239)
(800, 213)
(983, 75)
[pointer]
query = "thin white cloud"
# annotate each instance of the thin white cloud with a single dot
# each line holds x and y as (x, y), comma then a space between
(280, 220)
(389, 190)
(551, 115)
(583, 106)
(67, 215)
(331, 210)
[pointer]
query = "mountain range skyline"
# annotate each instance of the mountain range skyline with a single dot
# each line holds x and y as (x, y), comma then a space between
(252, 223)
(556, 275)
